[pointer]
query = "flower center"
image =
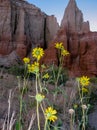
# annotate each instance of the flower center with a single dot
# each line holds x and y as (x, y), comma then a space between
(49, 114)
(37, 52)
(84, 81)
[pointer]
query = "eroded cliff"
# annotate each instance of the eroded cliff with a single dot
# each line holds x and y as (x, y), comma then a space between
(24, 26)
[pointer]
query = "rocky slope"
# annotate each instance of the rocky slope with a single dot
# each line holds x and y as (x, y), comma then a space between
(22, 27)
(78, 40)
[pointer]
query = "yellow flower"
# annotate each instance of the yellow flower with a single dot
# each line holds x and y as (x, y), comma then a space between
(37, 53)
(26, 60)
(46, 76)
(64, 52)
(33, 68)
(59, 45)
(39, 97)
(84, 81)
(85, 90)
(50, 114)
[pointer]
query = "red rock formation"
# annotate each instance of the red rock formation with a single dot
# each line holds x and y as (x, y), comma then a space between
(73, 19)
(23, 26)
(78, 40)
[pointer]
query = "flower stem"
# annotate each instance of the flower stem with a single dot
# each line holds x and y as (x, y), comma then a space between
(39, 84)
(38, 120)
(36, 84)
(21, 107)
(71, 127)
(83, 117)
(45, 124)
(59, 71)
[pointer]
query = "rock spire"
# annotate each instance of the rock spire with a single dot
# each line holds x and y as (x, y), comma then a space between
(73, 19)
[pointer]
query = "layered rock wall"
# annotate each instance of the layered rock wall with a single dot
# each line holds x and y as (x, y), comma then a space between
(5, 29)
(24, 26)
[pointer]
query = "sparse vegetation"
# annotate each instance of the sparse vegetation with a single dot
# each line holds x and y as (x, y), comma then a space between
(47, 99)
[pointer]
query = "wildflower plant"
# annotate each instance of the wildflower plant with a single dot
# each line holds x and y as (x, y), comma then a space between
(83, 89)
(84, 81)
(72, 118)
(46, 76)
(39, 97)
(26, 60)
(59, 45)
(22, 90)
(61, 53)
(50, 115)
(34, 68)
(43, 74)
(37, 53)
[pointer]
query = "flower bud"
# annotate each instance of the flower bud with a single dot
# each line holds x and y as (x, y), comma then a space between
(71, 111)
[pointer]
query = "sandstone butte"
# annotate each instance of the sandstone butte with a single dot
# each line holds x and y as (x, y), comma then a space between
(24, 26)
(78, 40)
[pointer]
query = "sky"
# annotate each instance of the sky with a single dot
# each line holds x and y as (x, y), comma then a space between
(57, 8)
